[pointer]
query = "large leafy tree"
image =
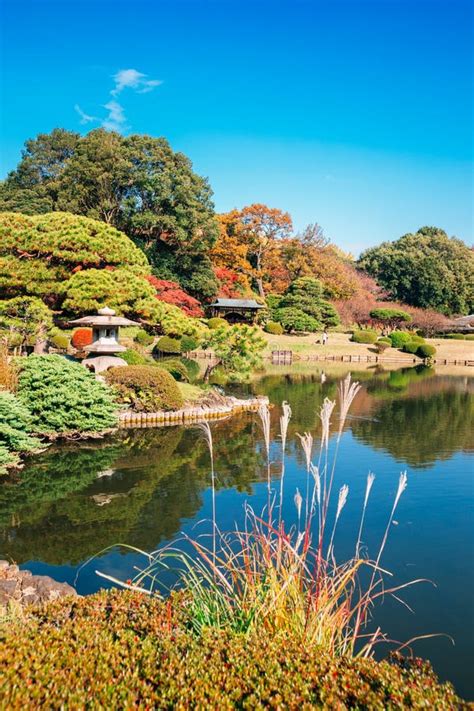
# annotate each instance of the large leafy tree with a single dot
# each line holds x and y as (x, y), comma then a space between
(135, 183)
(427, 269)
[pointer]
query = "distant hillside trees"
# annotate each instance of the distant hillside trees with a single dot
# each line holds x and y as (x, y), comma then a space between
(137, 184)
(427, 269)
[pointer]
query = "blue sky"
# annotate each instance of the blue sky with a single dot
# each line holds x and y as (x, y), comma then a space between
(356, 114)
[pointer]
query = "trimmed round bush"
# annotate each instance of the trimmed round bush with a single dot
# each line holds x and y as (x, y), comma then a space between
(188, 343)
(410, 347)
(381, 346)
(176, 368)
(365, 336)
(132, 357)
(425, 351)
(145, 388)
(217, 322)
(60, 340)
(166, 344)
(385, 339)
(399, 338)
(81, 337)
(63, 396)
(276, 329)
(143, 338)
(192, 367)
(123, 650)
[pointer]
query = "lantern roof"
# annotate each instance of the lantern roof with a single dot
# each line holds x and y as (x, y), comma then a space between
(104, 317)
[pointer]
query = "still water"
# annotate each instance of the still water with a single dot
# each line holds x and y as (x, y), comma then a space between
(144, 487)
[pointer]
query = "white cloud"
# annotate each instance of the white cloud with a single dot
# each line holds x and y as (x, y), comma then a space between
(132, 79)
(124, 79)
(85, 118)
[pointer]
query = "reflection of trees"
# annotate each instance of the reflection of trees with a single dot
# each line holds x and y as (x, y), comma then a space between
(420, 430)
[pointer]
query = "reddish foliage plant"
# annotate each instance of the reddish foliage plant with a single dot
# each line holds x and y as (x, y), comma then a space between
(229, 282)
(81, 337)
(171, 293)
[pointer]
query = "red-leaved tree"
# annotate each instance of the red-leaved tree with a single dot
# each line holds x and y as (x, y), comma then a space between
(171, 293)
(81, 337)
(228, 282)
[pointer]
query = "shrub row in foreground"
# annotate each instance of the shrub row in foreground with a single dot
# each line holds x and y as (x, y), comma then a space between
(125, 650)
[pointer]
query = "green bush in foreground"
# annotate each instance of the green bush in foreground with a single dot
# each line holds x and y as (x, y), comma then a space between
(145, 388)
(276, 329)
(126, 650)
(63, 396)
(411, 347)
(365, 336)
(15, 429)
(399, 338)
(166, 344)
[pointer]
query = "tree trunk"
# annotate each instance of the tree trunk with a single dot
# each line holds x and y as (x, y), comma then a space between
(209, 370)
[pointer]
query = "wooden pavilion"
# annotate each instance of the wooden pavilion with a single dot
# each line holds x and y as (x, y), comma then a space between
(235, 310)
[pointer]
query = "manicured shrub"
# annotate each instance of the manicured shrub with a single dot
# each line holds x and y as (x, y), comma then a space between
(63, 396)
(217, 322)
(166, 344)
(385, 339)
(293, 318)
(192, 367)
(381, 346)
(126, 650)
(176, 368)
(15, 430)
(365, 336)
(410, 347)
(189, 343)
(276, 329)
(399, 338)
(425, 350)
(143, 338)
(132, 357)
(81, 337)
(60, 340)
(458, 336)
(469, 337)
(145, 388)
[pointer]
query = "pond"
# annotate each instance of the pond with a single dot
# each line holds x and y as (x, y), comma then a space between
(143, 487)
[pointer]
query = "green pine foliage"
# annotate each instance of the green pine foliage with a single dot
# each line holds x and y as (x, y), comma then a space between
(238, 349)
(15, 430)
(136, 652)
(217, 322)
(63, 396)
(303, 308)
(188, 344)
(276, 329)
(166, 344)
(145, 388)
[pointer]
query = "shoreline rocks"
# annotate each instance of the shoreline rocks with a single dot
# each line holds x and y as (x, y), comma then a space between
(24, 588)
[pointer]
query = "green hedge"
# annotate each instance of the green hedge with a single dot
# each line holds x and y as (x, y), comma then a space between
(145, 388)
(365, 336)
(122, 650)
(276, 329)
(458, 336)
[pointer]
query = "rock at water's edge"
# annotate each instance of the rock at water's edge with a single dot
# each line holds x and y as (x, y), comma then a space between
(23, 587)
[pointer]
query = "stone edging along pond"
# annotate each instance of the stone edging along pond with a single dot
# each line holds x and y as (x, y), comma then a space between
(227, 405)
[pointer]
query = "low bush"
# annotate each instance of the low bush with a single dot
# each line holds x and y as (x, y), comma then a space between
(143, 338)
(381, 346)
(166, 344)
(60, 340)
(365, 336)
(276, 329)
(411, 347)
(385, 339)
(145, 388)
(132, 357)
(176, 368)
(399, 338)
(63, 396)
(294, 319)
(127, 650)
(15, 430)
(425, 350)
(81, 337)
(458, 336)
(192, 366)
(188, 343)
(217, 322)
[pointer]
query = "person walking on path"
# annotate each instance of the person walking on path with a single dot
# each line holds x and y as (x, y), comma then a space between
(324, 338)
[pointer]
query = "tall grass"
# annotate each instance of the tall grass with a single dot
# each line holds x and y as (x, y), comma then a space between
(267, 575)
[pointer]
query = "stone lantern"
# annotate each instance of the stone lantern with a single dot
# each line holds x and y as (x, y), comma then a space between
(105, 344)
